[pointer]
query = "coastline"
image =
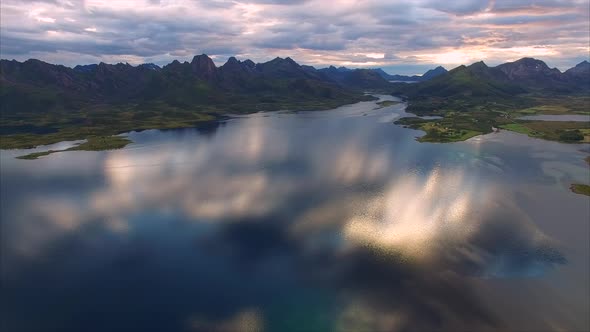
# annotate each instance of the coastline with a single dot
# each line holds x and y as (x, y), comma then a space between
(104, 139)
(27, 141)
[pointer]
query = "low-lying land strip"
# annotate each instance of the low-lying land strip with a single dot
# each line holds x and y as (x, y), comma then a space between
(26, 131)
(462, 122)
(582, 189)
(95, 143)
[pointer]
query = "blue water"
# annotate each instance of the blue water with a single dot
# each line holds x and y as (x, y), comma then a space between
(332, 220)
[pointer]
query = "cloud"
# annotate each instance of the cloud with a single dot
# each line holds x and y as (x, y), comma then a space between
(314, 32)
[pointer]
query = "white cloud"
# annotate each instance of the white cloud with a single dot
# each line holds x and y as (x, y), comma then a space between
(346, 32)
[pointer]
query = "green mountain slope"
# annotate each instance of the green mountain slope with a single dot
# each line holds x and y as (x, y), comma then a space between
(475, 99)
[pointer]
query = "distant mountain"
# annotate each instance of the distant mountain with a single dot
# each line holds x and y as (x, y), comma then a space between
(36, 86)
(389, 77)
(476, 80)
(399, 78)
(524, 75)
(150, 66)
(535, 73)
(355, 78)
(92, 67)
(85, 68)
(369, 76)
(432, 73)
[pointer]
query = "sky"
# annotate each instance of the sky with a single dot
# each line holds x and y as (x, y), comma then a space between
(404, 37)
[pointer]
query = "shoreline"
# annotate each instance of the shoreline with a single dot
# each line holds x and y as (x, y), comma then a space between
(115, 141)
(26, 141)
(112, 141)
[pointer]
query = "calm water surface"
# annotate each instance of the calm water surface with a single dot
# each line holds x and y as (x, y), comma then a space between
(317, 221)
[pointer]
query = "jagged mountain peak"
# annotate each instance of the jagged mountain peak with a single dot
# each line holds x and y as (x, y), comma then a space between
(530, 62)
(583, 64)
(150, 66)
(479, 64)
(529, 69)
(201, 57)
(249, 63)
(203, 66)
(432, 73)
(232, 60)
(581, 70)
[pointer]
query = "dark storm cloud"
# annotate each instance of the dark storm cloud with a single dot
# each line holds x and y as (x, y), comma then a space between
(313, 32)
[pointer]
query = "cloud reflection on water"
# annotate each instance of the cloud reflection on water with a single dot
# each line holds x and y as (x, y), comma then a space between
(445, 220)
(398, 243)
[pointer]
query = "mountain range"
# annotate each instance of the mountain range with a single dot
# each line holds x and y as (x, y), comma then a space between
(430, 74)
(38, 98)
(508, 79)
(35, 85)
(39, 86)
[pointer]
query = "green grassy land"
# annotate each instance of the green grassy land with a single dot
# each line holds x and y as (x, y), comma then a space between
(36, 155)
(582, 189)
(454, 126)
(102, 143)
(561, 131)
(464, 118)
(448, 129)
(478, 98)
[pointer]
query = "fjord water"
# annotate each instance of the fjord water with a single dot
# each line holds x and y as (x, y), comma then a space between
(311, 221)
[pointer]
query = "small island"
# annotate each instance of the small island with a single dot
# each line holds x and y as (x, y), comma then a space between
(451, 128)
